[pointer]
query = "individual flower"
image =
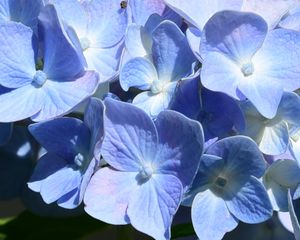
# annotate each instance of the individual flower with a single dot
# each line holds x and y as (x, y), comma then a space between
(242, 59)
(99, 25)
(171, 60)
(40, 93)
(282, 175)
(272, 135)
(218, 113)
(63, 173)
(226, 189)
(151, 166)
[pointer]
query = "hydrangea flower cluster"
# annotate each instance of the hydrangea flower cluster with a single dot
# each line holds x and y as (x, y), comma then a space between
(203, 108)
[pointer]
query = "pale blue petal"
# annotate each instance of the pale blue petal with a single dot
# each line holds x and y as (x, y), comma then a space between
(57, 66)
(285, 220)
(20, 103)
(153, 205)
(107, 195)
(237, 35)
(57, 99)
(294, 218)
(274, 13)
(63, 136)
(193, 36)
(282, 45)
(277, 195)
(141, 10)
(249, 203)
(60, 183)
(16, 55)
(172, 55)
(47, 165)
(263, 92)
(130, 136)
(275, 139)
(104, 60)
(152, 103)
(102, 30)
(180, 150)
(220, 74)
(210, 216)
(291, 22)
(138, 72)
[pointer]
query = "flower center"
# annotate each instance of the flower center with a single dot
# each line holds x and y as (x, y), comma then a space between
(247, 69)
(157, 86)
(220, 182)
(85, 43)
(78, 160)
(39, 78)
(144, 174)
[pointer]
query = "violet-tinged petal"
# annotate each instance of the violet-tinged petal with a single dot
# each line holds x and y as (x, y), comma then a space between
(243, 35)
(63, 136)
(249, 202)
(20, 103)
(57, 66)
(130, 138)
(153, 205)
(16, 55)
(57, 99)
(172, 56)
(181, 149)
(210, 216)
(138, 72)
(242, 157)
(107, 195)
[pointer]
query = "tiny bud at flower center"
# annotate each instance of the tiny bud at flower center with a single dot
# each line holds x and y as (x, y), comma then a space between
(78, 160)
(85, 43)
(247, 69)
(157, 86)
(39, 78)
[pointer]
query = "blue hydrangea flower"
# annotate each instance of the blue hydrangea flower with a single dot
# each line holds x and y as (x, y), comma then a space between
(291, 19)
(282, 175)
(243, 59)
(171, 61)
(63, 173)
(272, 135)
(41, 94)
(226, 188)
(22, 11)
(151, 166)
(218, 113)
(197, 13)
(99, 25)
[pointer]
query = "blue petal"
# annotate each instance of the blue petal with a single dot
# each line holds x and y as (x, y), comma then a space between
(279, 62)
(180, 151)
(172, 56)
(236, 35)
(294, 218)
(138, 72)
(248, 203)
(153, 205)
(107, 195)
(47, 165)
(93, 118)
(20, 103)
(57, 99)
(16, 55)
(62, 136)
(241, 155)
(193, 36)
(130, 136)
(210, 216)
(57, 66)
(291, 21)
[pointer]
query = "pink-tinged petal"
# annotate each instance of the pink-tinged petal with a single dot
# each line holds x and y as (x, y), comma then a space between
(107, 195)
